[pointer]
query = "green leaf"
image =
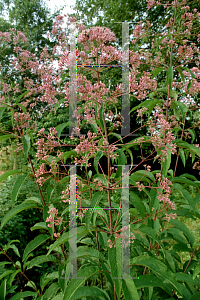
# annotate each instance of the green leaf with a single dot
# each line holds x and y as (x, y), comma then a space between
(170, 76)
(90, 291)
(96, 111)
(116, 135)
(2, 112)
(60, 128)
(21, 96)
(38, 240)
(40, 260)
(75, 284)
(182, 179)
(193, 134)
(51, 291)
(17, 186)
(15, 249)
(41, 225)
(5, 263)
(3, 290)
(156, 71)
(15, 211)
(95, 199)
(172, 93)
(21, 295)
(177, 235)
(8, 173)
(94, 126)
(32, 200)
(189, 85)
(114, 257)
(196, 296)
(182, 227)
(4, 274)
(85, 251)
(58, 297)
(148, 231)
(182, 156)
(81, 231)
(57, 105)
(26, 145)
(166, 164)
(185, 194)
(190, 147)
(49, 190)
(150, 281)
(7, 136)
(170, 261)
(129, 289)
(147, 103)
(96, 160)
(158, 267)
(196, 271)
(101, 112)
(22, 107)
(121, 162)
(68, 154)
(137, 202)
(187, 278)
(181, 74)
(191, 73)
(13, 276)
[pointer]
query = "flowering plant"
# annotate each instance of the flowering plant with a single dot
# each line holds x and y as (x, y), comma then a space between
(95, 213)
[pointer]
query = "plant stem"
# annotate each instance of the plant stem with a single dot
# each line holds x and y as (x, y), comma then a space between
(109, 198)
(39, 189)
(21, 271)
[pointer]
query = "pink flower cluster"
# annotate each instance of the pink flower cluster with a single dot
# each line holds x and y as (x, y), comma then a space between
(53, 211)
(44, 147)
(146, 84)
(66, 195)
(158, 128)
(165, 184)
(123, 236)
(81, 212)
(96, 34)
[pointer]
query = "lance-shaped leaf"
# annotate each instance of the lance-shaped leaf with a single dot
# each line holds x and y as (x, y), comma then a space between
(81, 232)
(8, 173)
(24, 294)
(129, 289)
(40, 260)
(16, 210)
(20, 96)
(147, 103)
(7, 136)
(26, 145)
(191, 148)
(75, 284)
(158, 268)
(182, 227)
(96, 160)
(170, 76)
(90, 291)
(166, 164)
(3, 290)
(17, 186)
(114, 257)
(38, 240)
(101, 112)
(60, 128)
(156, 71)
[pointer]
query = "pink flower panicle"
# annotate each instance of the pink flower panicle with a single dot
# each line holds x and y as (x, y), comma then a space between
(53, 211)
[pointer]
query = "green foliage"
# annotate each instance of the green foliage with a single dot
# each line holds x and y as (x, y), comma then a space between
(44, 264)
